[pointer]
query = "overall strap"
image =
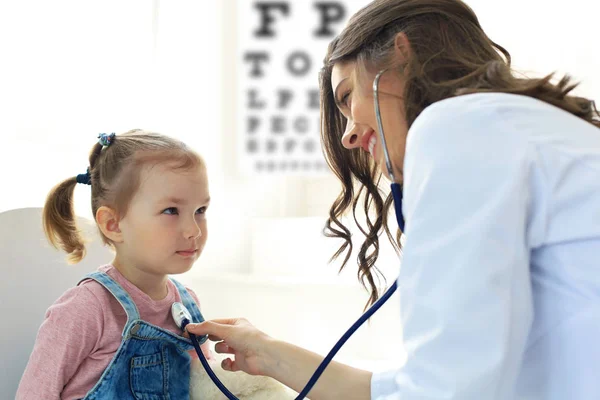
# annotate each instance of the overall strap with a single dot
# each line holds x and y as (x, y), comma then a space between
(188, 302)
(119, 293)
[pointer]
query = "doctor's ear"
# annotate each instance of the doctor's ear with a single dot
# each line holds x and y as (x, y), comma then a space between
(402, 48)
(108, 221)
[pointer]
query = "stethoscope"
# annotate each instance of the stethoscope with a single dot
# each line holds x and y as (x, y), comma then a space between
(183, 317)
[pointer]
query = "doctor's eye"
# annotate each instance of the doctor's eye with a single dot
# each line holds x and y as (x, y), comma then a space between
(201, 210)
(344, 99)
(170, 211)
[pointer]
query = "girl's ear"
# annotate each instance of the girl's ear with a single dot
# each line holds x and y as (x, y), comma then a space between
(108, 221)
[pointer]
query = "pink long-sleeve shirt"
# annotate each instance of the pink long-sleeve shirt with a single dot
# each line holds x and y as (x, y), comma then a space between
(82, 332)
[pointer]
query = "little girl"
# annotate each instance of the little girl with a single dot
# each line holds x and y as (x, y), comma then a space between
(112, 336)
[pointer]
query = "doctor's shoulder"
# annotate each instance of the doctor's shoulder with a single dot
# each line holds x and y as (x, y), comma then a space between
(480, 115)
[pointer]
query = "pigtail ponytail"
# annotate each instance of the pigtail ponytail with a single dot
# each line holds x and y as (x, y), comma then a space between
(59, 221)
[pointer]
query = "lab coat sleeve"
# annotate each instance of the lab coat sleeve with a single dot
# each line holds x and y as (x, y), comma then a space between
(466, 302)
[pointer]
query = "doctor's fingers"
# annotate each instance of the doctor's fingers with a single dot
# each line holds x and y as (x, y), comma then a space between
(215, 331)
(223, 348)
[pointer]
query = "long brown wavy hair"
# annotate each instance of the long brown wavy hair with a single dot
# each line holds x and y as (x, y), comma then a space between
(450, 56)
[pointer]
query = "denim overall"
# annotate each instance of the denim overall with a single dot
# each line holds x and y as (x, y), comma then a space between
(151, 363)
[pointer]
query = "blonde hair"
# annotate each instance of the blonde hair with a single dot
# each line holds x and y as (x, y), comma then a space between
(115, 177)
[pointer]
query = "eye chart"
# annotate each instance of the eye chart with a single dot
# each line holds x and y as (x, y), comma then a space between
(281, 47)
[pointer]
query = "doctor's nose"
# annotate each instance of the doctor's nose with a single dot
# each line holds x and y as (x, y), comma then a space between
(353, 136)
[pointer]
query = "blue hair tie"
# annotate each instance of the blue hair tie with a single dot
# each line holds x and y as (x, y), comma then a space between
(106, 140)
(86, 178)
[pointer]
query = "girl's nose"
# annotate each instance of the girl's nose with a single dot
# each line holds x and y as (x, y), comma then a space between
(192, 230)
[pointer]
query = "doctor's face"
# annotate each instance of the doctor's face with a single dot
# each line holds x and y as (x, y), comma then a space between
(353, 91)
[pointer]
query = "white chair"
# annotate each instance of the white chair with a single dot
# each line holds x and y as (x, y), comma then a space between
(33, 275)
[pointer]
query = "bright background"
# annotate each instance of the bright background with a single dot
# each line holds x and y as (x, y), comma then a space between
(73, 68)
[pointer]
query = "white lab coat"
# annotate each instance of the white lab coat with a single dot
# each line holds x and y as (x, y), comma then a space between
(500, 279)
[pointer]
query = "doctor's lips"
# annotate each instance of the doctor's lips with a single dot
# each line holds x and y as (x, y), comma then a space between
(368, 142)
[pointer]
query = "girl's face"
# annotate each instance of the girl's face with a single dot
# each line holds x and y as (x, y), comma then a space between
(353, 91)
(165, 228)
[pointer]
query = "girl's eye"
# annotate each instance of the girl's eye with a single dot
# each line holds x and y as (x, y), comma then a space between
(201, 210)
(170, 211)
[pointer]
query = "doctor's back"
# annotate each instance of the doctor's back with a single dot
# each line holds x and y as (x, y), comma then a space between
(542, 219)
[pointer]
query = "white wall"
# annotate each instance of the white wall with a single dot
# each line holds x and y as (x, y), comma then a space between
(79, 68)
(544, 37)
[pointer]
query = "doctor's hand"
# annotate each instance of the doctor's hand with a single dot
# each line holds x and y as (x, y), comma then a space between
(258, 354)
(240, 338)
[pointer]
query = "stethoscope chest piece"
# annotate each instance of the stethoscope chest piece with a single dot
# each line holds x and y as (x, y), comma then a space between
(181, 315)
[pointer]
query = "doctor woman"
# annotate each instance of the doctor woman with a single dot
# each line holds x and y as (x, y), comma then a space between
(500, 279)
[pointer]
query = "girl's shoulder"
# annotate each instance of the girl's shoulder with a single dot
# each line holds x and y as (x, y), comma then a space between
(88, 295)
(83, 298)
